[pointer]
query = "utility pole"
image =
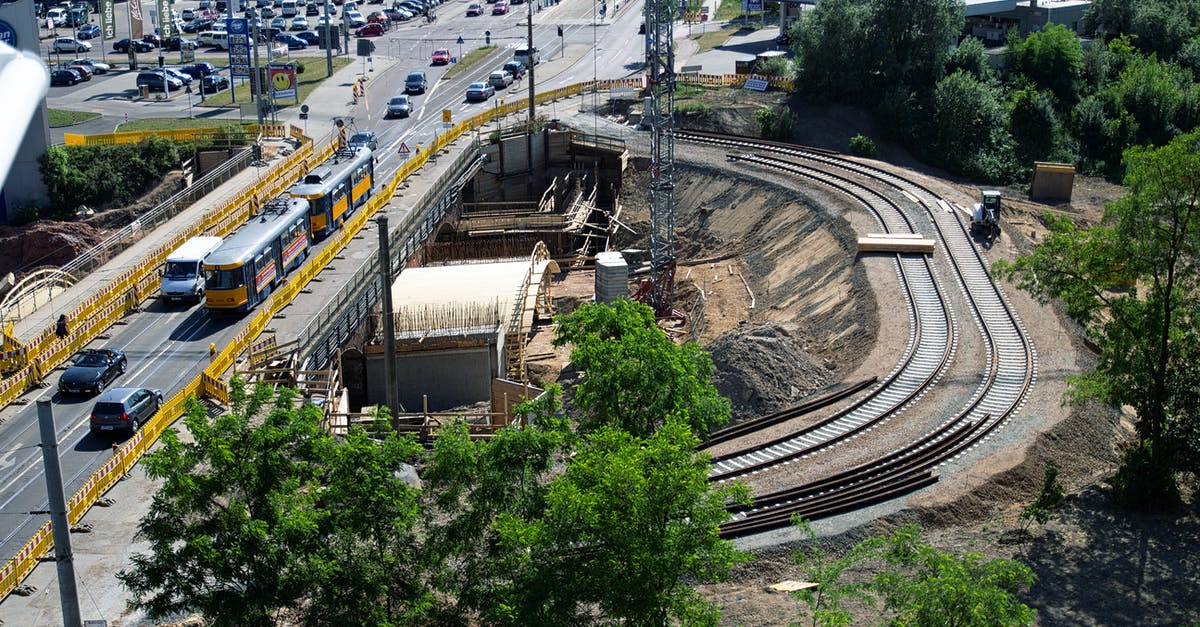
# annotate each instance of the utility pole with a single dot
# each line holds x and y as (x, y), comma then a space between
(389, 327)
(257, 70)
(328, 42)
(532, 58)
(68, 595)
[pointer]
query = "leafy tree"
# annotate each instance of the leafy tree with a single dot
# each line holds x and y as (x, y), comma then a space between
(1041, 510)
(469, 486)
(1160, 29)
(912, 40)
(1052, 58)
(265, 512)
(971, 57)
(925, 586)
(825, 601)
(626, 527)
(1034, 125)
(1152, 92)
(965, 129)
(635, 377)
(1132, 282)
(833, 55)
(233, 520)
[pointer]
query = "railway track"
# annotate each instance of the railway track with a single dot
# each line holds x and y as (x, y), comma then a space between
(1009, 371)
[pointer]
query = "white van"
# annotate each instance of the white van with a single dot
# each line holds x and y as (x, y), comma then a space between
(220, 40)
(523, 55)
(205, 38)
(183, 278)
(288, 8)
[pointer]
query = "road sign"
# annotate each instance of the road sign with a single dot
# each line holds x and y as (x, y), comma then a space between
(403, 149)
(756, 84)
(447, 116)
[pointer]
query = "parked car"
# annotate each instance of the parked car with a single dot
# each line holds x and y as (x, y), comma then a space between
(480, 91)
(188, 14)
(500, 79)
(356, 19)
(92, 371)
(199, 69)
(183, 77)
(441, 56)
(97, 67)
(379, 17)
(363, 139)
(152, 39)
(312, 9)
(124, 409)
(398, 107)
(213, 83)
(279, 23)
(500, 8)
(157, 80)
(415, 82)
(267, 12)
(123, 45)
(293, 42)
(70, 44)
(84, 71)
(198, 24)
(398, 15)
(370, 30)
(516, 68)
(310, 37)
(474, 9)
(299, 23)
(64, 78)
(88, 31)
(174, 44)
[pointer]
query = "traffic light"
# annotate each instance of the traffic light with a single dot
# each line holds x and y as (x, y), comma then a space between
(560, 31)
(487, 37)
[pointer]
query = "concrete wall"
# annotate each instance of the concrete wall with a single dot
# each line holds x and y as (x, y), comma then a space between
(450, 377)
(24, 185)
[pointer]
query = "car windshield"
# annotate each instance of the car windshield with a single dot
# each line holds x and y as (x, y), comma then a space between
(108, 409)
(360, 138)
(91, 360)
(180, 270)
(399, 100)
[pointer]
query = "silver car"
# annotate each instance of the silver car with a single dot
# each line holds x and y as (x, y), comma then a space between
(124, 409)
(399, 107)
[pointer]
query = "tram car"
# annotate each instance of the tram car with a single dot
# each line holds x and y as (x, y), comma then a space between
(336, 188)
(246, 267)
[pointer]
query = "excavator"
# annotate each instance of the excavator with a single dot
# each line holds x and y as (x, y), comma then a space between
(985, 217)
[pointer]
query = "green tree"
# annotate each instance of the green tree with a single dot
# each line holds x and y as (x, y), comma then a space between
(912, 39)
(825, 601)
(469, 487)
(925, 586)
(833, 55)
(1152, 92)
(635, 377)
(1052, 58)
(965, 129)
(1034, 125)
(971, 57)
(1048, 500)
(629, 524)
(1132, 282)
(233, 520)
(265, 512)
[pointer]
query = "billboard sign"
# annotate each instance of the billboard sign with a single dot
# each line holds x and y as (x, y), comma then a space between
(239, 47)
(166, 25)
(135, 20)
(108, 19)
(283, 81)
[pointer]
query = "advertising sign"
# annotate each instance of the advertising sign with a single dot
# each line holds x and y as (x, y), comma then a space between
(135, 19)
(166, 25)
(8, 34)
(108, 19)
(239, 47)
(283, 81)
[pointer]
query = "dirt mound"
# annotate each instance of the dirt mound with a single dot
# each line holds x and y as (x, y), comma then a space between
(763, 368)
(43, 243)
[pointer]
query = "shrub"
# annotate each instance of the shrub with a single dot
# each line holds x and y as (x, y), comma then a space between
(862, 146)
(99, 175)
(773, 66)
(692, 108)
(778, 123)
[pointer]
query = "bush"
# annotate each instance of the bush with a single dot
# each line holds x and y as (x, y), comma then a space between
(774, 66)
(1141, 485)
(100, 175)
(299, 67)
(778, 123)
(862, 146)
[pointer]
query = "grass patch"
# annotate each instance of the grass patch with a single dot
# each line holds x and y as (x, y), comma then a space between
(66, 117)
(314, 75)
(469, 60)
(714, 38)
(732, 9)
(171, 124)
(692, 107)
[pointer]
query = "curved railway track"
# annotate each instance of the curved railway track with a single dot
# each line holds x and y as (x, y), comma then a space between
(1009, 371)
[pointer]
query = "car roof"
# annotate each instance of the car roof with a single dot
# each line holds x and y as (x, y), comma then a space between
(117, 395)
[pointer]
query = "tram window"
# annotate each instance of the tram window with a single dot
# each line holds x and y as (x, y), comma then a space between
(222, 279)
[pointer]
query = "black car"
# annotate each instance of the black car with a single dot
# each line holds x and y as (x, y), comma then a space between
(516, 68)
(311, 10)
(213, 83)
(64, 78)
(92, 371)
(197, 25)
(198, 70)
(139, 46)
(310, 37)
(157, 80)
(174, 44)
(124, 409)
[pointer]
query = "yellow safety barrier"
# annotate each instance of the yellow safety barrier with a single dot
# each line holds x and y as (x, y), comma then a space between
(132, 137)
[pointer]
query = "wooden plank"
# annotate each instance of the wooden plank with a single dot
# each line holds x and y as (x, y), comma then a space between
(895, 245)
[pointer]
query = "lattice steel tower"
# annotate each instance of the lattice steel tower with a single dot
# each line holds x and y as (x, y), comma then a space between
(660, 115)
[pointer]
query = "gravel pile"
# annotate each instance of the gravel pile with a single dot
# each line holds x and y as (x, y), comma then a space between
(763, 368)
